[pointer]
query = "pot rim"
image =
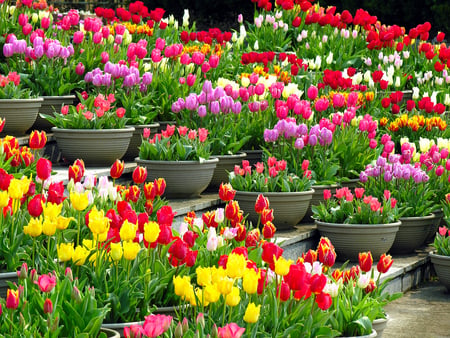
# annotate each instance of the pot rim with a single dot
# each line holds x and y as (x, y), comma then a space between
(430, 216)
(88, 131)
(37, 99)
(344, 225)
(434, 254)
(275, 193)
(55, 97)
(239, 154)
(163, 162)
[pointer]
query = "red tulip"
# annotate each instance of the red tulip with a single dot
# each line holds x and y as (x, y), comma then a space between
(12, 299)
(318, 282)
(266, 216)
(43, 168)
(75, 173)
(35, 208)
(271, 251)
(160, 186)
(165, 215)
(323, 301)
(139, 175)
(365, 261)
(116, 169)
(37, 139)
(268, 230)
(283, 292)
(232, 210)
(48, 306)
(384, 263)
(226, 192)
(261, 203)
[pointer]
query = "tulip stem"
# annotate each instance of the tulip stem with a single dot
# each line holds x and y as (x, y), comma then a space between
(78, 226)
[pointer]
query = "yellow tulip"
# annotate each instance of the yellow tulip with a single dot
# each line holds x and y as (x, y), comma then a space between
(15, 189)
(225, 285)
(34, 227)
(116, 251)
(203, 276)
(252, 313)
(236, 265)
(52, 211)
(88, 244)
(233, 298)
(98, 223)
(282, 266)
(250, 281)
(128, 231)
(211, 293)
(79, 255)
(200, 298)
(4, 199)
(217, 274)
(49, 227)
(65, 251)
(79, 201)
(130, 250)
(63, 222)
(182, 285)
(151, 231)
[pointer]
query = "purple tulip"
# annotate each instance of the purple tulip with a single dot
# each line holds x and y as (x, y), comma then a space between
(299, 143)
(143, 88)
(50, 52)
(218, 93)
(236, 107)
(202, 98)
(106, 80)
(312, 141)
(253, 106)
(8, 50)
(109, 67)
(302, 129)
(39, 51)
(207, 87)
(38, 42)
(70, 49)
(19, 46)
(381, 161)
(129, 80)
(147, 78)
(97, 80)
(64, 53)
(124, 71)
(388, 176)
(176, 107)
(270, 135)
(192, 102)
(214, 107)
(202, 111)
(363, 177)
(88, 77)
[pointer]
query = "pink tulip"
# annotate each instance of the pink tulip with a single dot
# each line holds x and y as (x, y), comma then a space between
(46, 282)
(12, 299)
(78, 37)
(312, 92)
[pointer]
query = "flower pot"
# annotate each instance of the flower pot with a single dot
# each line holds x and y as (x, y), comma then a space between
(380, 324)
(351, 183)
(163, 125)
(441, 265)
(19, 115)
(184, 179)
(97, 147)
(136, 139)
(225, 165)
(289, 208)
(412, 233)
(317, 197)
(6, 277)
(351, 239)
(50, 105)
(372, 335)
(253, 156)
(437, 223)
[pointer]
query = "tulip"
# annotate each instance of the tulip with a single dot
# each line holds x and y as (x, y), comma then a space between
(384, 263)
(12, 299)
(46, 283)
(139, 175)
(252, 313)
(37, 140)
(48, 306)
(43, 168)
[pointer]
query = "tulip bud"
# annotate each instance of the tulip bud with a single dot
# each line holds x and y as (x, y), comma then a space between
(76, 295)
(179, 330)
(48, 306)
(214, 331)
(68, 273)
(23, 273)
(185, 324)
(201, 320)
